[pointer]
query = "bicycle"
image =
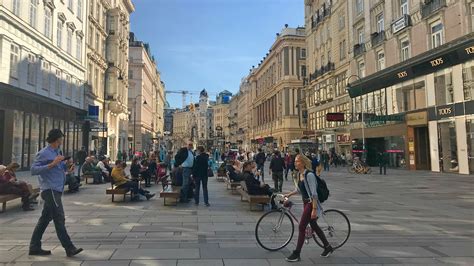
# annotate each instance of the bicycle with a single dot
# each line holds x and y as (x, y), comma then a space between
(277, 227)
(359, 168)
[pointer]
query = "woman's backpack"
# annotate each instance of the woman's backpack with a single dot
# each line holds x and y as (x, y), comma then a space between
(322, 189)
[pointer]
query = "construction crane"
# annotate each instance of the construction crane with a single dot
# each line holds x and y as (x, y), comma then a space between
(184, 93)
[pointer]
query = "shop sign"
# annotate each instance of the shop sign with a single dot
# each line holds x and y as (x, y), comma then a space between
(411, 146)
(341, 138)
(419, 118)
(335, 117)
(385, 118)
(445, 111)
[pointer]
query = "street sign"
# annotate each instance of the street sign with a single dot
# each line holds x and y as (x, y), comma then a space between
(98, 129)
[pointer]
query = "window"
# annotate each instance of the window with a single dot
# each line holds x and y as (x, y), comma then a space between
(444, 90)
(329, 56)
(342, 21)
(14, 58)
(380, 23)
(47, 22)
(468, 81)
(359, 6)
(45, 69)
(404, 49)
(436, 34)
(361, 69)
(91, 36)
(57, 83)
(360, 35)
(31, 71)
(77, 96)
(342, 50)
(78, 47)
(69, 42)
(303, 71)
(303, 53)
(404, 7)
(130, 74)
(380, 60)
(68, 87)
(16, 7)
(70, 4)
(79, 9)
(59, 33)
(33, 9)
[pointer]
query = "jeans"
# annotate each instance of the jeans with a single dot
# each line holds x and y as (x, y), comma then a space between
(384, 167)
(261, 167)
(278, 179)
(326, 166)
(52, 210)
(198, 181)
(133, 187)
(187, 171)
(305, 219)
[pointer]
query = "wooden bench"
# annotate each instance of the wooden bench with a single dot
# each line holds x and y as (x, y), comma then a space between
(87, 177)
(113, 190)
(231, 185)
(252, 199)
(221, 175)
(173, 192)
(9, 197)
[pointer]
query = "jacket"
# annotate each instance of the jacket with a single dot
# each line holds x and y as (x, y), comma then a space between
(260, 158)
(201, 164)
(277, 164)
(253, 185)
(118, 176)
(180, 156)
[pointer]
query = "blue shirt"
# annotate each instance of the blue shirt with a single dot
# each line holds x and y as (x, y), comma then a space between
(53, 178)
(189, 162)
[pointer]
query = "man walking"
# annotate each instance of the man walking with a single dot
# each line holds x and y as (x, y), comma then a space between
(260, 160)
(50, 165)
(325, 160)
(185, 159)
(277, 166)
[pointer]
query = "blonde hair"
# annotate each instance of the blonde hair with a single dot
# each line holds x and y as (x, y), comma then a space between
(306, 161)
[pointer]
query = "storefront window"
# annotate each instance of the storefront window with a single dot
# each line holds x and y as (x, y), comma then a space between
(420, 95)
(443, 87)
(35, 128)
(468, 80)
(448, 150)
(470, 144)
(395, 148)
(26, 142)
(17, 144)
(70, 136)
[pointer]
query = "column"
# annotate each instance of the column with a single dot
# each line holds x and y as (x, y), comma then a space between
(433, 134)
(290, 101)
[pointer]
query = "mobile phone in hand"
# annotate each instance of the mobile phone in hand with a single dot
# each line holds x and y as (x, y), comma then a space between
(67, 158)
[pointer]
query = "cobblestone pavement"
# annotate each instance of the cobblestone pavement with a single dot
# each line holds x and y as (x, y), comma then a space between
(401, 218)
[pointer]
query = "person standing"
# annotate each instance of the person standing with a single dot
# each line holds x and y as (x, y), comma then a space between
(124, 156)
(81, 159)
(382, 162)
(185, 159)
(306, 184)
(277, 166)
(325, 160)
(50, 165)
(260, 159)
(201, 165)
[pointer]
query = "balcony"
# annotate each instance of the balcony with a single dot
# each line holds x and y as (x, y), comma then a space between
(430, 7)
(320, 16)
(377, 38)
(359, 49)
(321, 71)
(401, 23)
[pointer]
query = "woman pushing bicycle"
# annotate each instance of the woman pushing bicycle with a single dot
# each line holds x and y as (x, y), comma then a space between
(306, 185)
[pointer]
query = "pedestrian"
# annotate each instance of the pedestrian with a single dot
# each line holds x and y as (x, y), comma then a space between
(325, 160)
(50, 165)
(382, 162)
(200, 174)
(124, 156)
(122, 181)
(185, 158)
(306, 185)
(260, 159)
(277, 166)
(168, 160)
(287, 164)
(119, 155)
(81, 158)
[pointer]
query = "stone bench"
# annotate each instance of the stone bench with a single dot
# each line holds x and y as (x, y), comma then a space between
(9, 197)
(173, 192)
(252, 199)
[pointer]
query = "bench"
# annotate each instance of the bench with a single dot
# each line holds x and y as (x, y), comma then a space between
(231, 185)
(113, 190)
(252, 199)
(221, 175)
(9, 197)
(173, 192)
(87, 177)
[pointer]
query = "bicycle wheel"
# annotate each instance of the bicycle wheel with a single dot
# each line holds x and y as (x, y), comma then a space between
(336, 227)
(274, 230)
(368, 170)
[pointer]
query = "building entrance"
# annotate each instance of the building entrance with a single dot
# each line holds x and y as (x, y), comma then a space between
(422, 148)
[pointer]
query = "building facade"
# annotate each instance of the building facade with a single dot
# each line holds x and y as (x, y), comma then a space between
(327, 60)
(413, 97)
(145, 97)
(204, 121)
(43, 71)
(276, 88)
(182, 126)
(221, 119)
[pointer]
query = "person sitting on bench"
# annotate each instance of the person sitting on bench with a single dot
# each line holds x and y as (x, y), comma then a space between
(9, 185)
(103, 169)
(72, 181)
(235, 174)
(121, 181)
(88, 168)
(254, 186)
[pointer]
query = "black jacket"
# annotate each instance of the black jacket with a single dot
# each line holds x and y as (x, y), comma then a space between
(253, 185)
(277, 164)
(260, 158)
(201, 163)
(180, 156)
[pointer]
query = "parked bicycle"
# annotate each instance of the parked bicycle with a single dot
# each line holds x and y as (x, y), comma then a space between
(275, 229)
(358, 167)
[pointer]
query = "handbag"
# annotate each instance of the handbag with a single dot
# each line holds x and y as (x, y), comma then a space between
(210, 173)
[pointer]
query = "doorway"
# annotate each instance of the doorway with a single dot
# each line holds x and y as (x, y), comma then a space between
(422, 151)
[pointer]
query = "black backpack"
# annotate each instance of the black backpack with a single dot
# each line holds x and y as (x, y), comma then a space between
(322, 189)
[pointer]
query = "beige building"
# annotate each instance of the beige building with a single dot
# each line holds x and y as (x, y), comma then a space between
(328, 41)
(243, 115)
(145, 97)
(182, 126)
(415, 94)
(276, 88)
(233, 126)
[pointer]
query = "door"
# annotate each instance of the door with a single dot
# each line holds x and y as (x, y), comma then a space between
(422, 151)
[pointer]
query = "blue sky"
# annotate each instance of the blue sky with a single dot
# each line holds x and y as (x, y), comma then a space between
(210, 44)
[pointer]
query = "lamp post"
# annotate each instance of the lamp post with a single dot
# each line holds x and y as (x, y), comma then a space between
(104, 128)
(135, 120)
(362, 113)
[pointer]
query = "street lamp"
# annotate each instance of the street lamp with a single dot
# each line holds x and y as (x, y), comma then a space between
(362, 114)
(135, 120)
(104, 128)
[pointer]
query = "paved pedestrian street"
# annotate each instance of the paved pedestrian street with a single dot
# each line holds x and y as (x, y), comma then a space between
(402, 218)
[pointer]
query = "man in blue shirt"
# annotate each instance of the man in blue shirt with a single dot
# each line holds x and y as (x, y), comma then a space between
(185, 159)
(50, 165)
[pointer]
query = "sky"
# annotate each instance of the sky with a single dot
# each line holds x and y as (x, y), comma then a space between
(210, 44)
